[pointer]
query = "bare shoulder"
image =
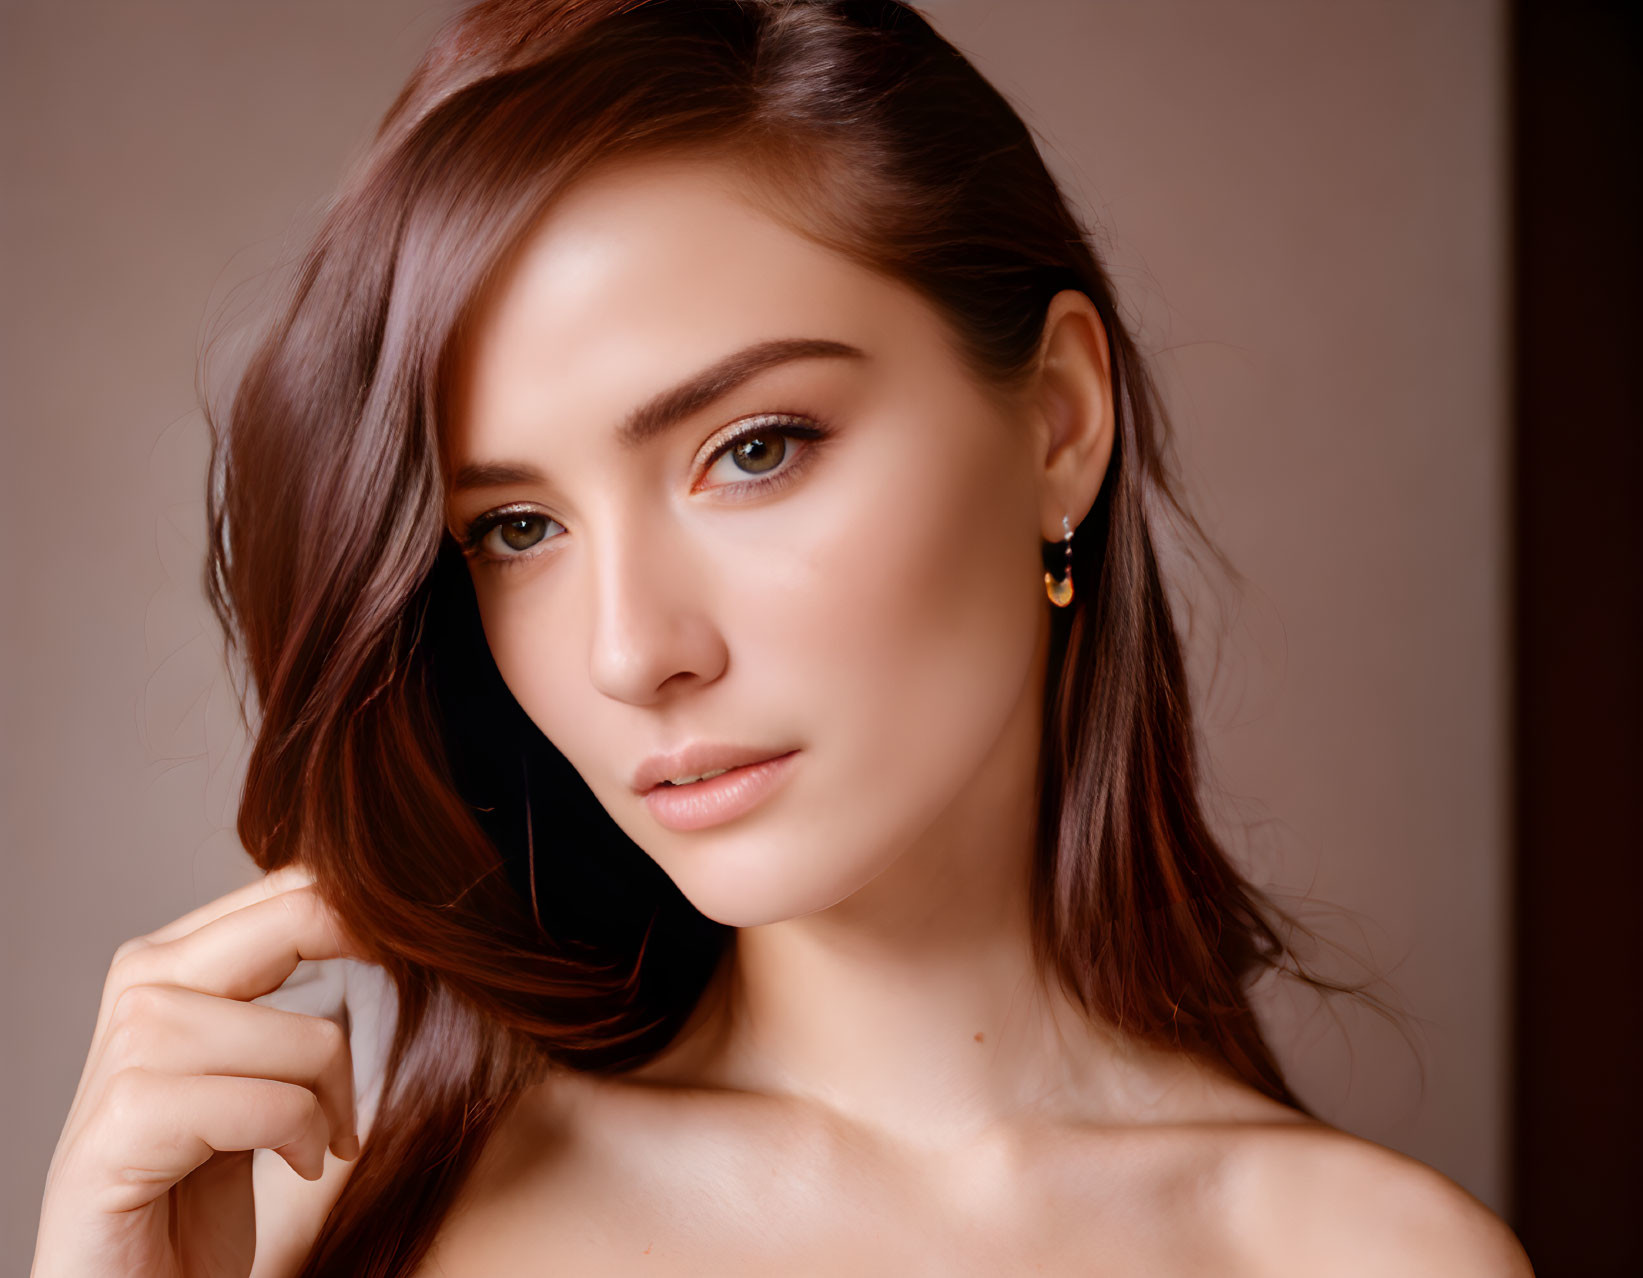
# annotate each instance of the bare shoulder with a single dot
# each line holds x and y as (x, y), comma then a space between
(1311, 1199)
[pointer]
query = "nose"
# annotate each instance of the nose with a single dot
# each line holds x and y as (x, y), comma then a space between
(653, 632)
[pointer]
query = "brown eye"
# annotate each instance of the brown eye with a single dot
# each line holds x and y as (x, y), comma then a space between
(520, 534)
(759, 453)
(761, 450)
(516, 533)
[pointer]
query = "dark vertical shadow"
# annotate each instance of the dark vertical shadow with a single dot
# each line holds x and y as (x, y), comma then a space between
(1577, 89)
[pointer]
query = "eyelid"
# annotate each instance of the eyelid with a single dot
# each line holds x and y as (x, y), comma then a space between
(735, 430)
(791, 425)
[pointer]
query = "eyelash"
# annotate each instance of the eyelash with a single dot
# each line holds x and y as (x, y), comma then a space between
(787, 425)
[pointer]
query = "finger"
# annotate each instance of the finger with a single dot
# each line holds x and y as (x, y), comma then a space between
(254, 947)
(285, 878)
(153, 1129)
(167, 1029)
(246, 953)
(273, 883)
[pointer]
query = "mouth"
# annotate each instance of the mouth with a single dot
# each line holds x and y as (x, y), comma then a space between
(719, 796)
(698, 761)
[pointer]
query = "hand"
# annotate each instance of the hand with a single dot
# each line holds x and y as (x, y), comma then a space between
(151, 1177)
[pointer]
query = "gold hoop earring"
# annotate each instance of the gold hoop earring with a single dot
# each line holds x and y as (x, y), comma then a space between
(1061, 592)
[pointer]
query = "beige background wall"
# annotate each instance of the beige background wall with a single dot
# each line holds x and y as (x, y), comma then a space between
(1303, 206)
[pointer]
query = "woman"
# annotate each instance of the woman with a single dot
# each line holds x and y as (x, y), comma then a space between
(690, 534)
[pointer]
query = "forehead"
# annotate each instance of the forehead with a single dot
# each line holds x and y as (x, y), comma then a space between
(641, 275)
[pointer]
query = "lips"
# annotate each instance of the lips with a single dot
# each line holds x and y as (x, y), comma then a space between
(731, 795)
(697, 758)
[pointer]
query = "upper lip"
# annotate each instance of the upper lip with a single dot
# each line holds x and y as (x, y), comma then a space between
(695, 759)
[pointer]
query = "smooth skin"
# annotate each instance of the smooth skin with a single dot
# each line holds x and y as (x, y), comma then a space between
(877, 1080)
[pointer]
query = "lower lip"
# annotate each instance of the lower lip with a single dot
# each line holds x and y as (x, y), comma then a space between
(718, 799)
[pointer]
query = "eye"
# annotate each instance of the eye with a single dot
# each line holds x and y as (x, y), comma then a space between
(507, 534)
(759, 453)
(759, 449)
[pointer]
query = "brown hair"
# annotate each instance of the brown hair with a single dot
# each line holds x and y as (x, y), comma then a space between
(390, 757)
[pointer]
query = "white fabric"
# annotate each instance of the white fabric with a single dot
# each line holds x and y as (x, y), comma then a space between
(361, 999)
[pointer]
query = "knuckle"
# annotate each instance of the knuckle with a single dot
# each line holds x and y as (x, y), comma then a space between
(302, 901)
(125, 1096)
(123, 968)
(139, 1002)
(297, 1110)
(302, 909)
(127, 948)
(330, 1036)
(136, 1009)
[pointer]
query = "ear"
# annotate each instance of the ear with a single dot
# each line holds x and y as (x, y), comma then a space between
(1071, 402)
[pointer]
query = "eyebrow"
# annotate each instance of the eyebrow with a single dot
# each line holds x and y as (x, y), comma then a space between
(673, 405)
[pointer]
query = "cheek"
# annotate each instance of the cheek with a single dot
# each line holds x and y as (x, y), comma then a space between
(925, 617)
(531, 654)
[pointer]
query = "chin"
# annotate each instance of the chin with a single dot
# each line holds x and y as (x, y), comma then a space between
(759, 886)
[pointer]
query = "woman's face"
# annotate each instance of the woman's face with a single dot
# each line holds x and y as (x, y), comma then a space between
(865, 594)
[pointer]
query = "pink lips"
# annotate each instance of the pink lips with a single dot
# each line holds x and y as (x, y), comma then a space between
(697, 758)
(718, 799)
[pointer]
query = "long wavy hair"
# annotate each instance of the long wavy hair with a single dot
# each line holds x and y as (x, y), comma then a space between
(522, 929)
